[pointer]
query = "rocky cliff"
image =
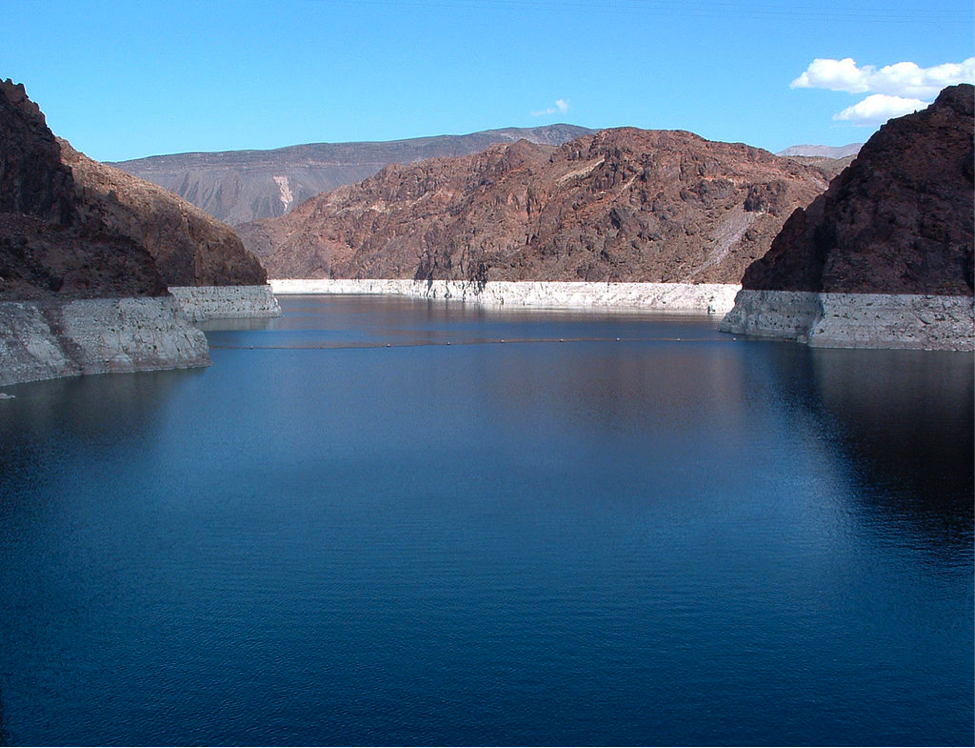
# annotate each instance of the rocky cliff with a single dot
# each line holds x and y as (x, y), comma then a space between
(241, 186)
(49, 245)
(618, 205)
(190, 247)
(53, 338)
(898, 222)
(77, 295)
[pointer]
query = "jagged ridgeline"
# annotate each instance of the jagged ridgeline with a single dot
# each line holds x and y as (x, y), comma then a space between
(618, 205)
(49, 243)
(74, 227)
(190, 247)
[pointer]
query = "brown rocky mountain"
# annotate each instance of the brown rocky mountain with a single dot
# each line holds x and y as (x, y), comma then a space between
(240, 186)
(190, 247)
(49, 245)
(618, 205)
(899, 220)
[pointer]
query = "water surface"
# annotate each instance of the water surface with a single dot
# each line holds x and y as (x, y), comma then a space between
(608, 529)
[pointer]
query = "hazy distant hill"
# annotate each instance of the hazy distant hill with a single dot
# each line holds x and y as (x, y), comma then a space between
(830, 166)
(822, 151)
(240, 186)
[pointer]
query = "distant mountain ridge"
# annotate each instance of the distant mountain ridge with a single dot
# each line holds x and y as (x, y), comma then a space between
(241, 186)
(822, 151)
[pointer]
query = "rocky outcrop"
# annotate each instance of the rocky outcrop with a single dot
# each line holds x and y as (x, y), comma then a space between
(898, 224)
(200, 303)
(33, 181)
(190, 247)
(77, 295)
(49, 247)
(621, 205)
(55, 338)
(242, 186)
(846, 320)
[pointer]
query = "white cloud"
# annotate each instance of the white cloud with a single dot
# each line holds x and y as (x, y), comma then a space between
(836, 75)
(895, 90)
(878, 108)
(561, 106)
(905, 79)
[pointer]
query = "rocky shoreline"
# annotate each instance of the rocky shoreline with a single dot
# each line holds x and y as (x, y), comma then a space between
(55, 338)
(847, 320)
(702, 298)
(51, 339)
(200, 303)
(883, 258)
(87, 253)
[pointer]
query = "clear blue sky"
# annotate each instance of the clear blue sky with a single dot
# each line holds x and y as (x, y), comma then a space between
(127, 79)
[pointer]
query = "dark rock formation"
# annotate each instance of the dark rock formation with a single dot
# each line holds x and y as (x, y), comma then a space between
(33, 181)
(240, 186)
(190, 247)
(75, 228)
(619, 205)
(899, 220)
(68, 274)
(48, 246)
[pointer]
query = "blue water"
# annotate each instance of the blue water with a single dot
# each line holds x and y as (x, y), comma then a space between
(347, 531)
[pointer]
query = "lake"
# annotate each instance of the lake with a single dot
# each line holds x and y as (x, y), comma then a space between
(373, 522)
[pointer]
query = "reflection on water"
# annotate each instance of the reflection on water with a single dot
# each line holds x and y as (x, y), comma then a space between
(624, 385)
(93, 411)
(390, 321)
(904, 419)
(95, 404)
(3, 732)
(244, 323)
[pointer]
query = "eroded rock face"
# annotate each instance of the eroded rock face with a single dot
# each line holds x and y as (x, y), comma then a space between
(73, 228)
(619, 205)
(190, 247)
(48, 247)
(33, 181)
(39, 259)
(898, 220)
(60, 338)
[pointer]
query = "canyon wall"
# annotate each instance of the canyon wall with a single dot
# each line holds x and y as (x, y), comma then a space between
(622, 205)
